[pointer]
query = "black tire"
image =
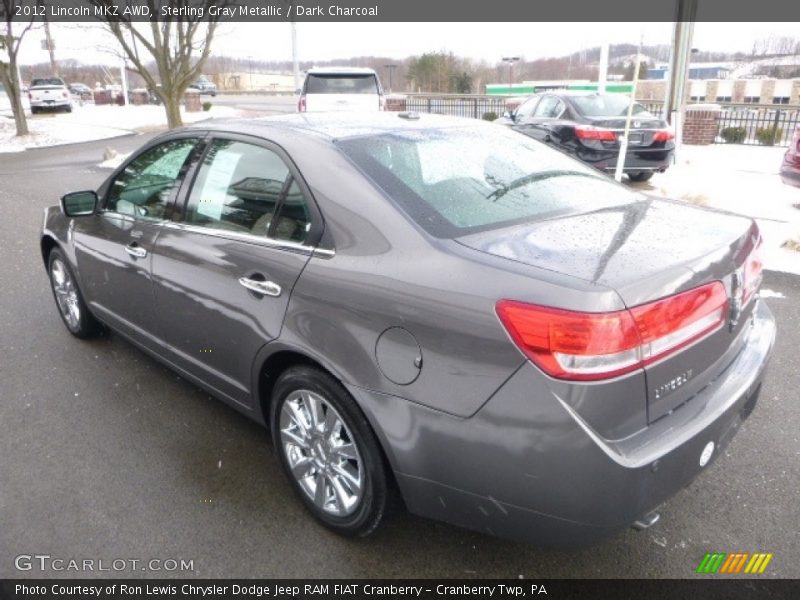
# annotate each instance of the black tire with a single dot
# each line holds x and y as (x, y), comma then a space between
(69, 108)
(84, 325)
(367, 512)
(34, 110)
(640, 175)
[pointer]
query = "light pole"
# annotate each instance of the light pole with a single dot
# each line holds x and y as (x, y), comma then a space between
(391, 70)
(250, 67)
(510, 60)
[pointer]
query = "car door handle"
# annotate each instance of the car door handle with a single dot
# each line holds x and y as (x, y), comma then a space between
(266, 288)
(135, 250)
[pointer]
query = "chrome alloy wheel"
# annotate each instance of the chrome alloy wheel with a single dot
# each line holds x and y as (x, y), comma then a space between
(321, 453)
(66, 293)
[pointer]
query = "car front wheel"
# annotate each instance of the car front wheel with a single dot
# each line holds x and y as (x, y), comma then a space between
(328, 451)
(71, 307)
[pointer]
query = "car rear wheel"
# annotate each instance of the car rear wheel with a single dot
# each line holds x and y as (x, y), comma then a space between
(640, 175)
(71, 307)
(328, 451)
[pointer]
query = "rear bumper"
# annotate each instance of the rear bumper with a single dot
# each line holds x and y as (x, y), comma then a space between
(635, 159)
(527, 467)
(51, 103)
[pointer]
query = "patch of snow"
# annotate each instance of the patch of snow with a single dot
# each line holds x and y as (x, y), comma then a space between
(768, 293)
(743, 180)
(90, 122)
(114, 161)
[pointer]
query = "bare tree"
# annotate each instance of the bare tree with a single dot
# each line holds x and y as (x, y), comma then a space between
(10, 43)
(178, 46)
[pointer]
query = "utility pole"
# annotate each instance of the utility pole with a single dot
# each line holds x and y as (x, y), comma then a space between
(674, 105)
(510, 60)
(50, 48)
(295, 64)
(391, 70)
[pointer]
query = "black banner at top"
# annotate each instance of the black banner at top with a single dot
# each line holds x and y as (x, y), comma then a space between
(403, 10)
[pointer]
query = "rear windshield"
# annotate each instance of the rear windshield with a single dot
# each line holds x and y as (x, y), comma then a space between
(341, 84)
(46, 81)
(608, 106)
(458, 181)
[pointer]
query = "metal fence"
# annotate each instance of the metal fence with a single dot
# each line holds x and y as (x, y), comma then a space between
(770, 125)
(474, 106)
(755, 124)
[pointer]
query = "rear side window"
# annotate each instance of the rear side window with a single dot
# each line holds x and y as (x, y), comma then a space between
(341, 84)
(241, 187)
(458, 181)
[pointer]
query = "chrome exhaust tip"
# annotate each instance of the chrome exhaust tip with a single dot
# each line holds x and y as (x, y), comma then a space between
(647, 521)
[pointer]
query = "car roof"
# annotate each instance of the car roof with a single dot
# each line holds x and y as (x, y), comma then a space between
(340, 125)
(340, 70)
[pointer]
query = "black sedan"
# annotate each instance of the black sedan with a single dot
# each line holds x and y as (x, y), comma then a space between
(589, 125)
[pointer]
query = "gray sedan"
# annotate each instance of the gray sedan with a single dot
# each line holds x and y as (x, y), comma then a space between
(436, 309)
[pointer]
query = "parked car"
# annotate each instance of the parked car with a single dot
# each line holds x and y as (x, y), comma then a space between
(522, 345)
(588, 126)
(341, 89)
(204, 86)
(79, 88)
(790, 169)
(49, 93)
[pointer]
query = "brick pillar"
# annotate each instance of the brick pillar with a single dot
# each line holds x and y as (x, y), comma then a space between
(795, 95)
(701, 124)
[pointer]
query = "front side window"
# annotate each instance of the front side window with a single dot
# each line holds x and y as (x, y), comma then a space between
(241, 187)
(144, 187)
(526, 109)
(549, 108)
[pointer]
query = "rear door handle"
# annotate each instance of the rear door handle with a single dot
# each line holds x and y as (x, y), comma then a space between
(266, 288)
(135, 250)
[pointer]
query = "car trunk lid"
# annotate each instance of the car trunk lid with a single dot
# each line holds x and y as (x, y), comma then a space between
(646, 251)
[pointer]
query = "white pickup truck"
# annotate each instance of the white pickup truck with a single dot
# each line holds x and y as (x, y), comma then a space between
(49, 93)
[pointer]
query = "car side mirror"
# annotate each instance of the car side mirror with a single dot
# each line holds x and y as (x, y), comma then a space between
(79, 204)
(508, 115)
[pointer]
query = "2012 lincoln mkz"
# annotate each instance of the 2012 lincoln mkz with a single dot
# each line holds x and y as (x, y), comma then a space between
(431, 308)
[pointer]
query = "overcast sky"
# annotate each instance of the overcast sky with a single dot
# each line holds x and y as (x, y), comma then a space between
(488, 41)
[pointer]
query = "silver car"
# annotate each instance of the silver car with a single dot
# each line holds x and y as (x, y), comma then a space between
(434, 308)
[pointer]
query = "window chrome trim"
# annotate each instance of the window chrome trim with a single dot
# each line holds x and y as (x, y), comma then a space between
(241, 237)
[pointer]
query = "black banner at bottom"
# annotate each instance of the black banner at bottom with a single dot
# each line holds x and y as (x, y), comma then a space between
(426, 589)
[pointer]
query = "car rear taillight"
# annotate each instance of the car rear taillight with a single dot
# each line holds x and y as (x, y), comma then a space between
(301, 104)
(65, 94)
(663, 135)
(595, 133)
(590, 346)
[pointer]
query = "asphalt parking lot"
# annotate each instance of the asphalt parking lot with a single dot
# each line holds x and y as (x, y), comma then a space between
(107, 455)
